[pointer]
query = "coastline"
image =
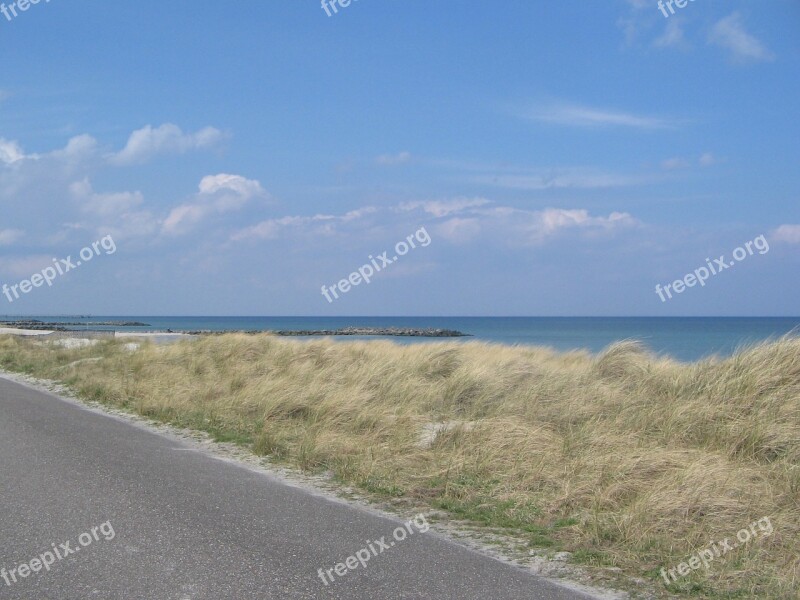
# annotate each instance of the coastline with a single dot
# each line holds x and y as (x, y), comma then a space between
(30, 326)
(519, 440)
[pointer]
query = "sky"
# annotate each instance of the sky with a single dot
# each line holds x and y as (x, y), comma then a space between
(556, 158)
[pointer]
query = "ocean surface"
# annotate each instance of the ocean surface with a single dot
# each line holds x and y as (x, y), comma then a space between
(680, 337)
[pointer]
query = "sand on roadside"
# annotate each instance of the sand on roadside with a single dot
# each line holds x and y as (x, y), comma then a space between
(12, 331)
(157, 335)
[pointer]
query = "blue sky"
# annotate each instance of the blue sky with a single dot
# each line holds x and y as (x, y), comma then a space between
(564, 157)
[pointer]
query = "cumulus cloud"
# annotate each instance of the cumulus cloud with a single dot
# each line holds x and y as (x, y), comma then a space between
(11, 152)
(182, 218)
(270, 228)
(230, 192)
(552, 220)
(442, 208)
(729, 33)
(116, 213)
(104, 205)
(319, 224)
(535, 227)
(506, 225)
(77, 148)
(217, 194)
(459, 230)
(530, 227)
(148, 142)
(789, 234)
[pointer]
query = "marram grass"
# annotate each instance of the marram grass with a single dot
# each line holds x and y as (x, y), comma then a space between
(624, 459)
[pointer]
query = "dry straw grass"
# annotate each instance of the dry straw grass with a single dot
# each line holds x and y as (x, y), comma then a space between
(625, 459)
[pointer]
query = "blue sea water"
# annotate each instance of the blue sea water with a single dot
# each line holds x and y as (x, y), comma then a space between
(684, 338)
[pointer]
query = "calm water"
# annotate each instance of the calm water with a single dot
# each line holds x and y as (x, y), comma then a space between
(682, 338)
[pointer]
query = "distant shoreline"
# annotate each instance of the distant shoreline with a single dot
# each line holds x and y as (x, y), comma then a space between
(686, 339)
(34, 327)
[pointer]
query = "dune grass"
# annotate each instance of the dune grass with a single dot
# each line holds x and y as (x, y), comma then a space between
(624, 459)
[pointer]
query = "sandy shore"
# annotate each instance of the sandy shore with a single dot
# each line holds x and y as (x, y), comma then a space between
(150, 334)
(77, 334)
(12, 331)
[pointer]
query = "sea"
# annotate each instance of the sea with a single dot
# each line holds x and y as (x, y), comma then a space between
(682, 338)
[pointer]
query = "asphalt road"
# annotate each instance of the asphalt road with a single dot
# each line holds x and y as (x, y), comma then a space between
(188, 526)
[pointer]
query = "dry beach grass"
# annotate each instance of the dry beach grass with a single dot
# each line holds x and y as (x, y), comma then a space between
(624, 459)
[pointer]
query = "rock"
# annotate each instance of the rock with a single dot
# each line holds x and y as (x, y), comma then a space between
(388, 331)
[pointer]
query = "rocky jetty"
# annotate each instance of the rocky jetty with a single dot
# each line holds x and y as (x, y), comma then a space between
(390, 331)
(36, 325)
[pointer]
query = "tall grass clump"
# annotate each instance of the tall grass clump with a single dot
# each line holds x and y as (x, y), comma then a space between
(625, 459)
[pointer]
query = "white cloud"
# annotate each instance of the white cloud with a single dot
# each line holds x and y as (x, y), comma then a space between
(218, 194)
(358, 213)
(504, 224)
(242, 186)
(182, 218)
(393, 159)
(526, 227)
(442, 208)
(584, 116)
(458, 230)
(555, 219)
(115, 213)
(787, 233)
(636, 21)
(708, 159)
(319, 224)
(78, 147)
(672, 164)
(229, 192)
(729, 33)
(104, 205)
(672, 36)
(564, 178)
(270, 228)
(24, 266)
(11, 152)
(10, 236)
(147, 142)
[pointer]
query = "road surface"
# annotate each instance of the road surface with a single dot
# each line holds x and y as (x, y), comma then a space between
(148, 517)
